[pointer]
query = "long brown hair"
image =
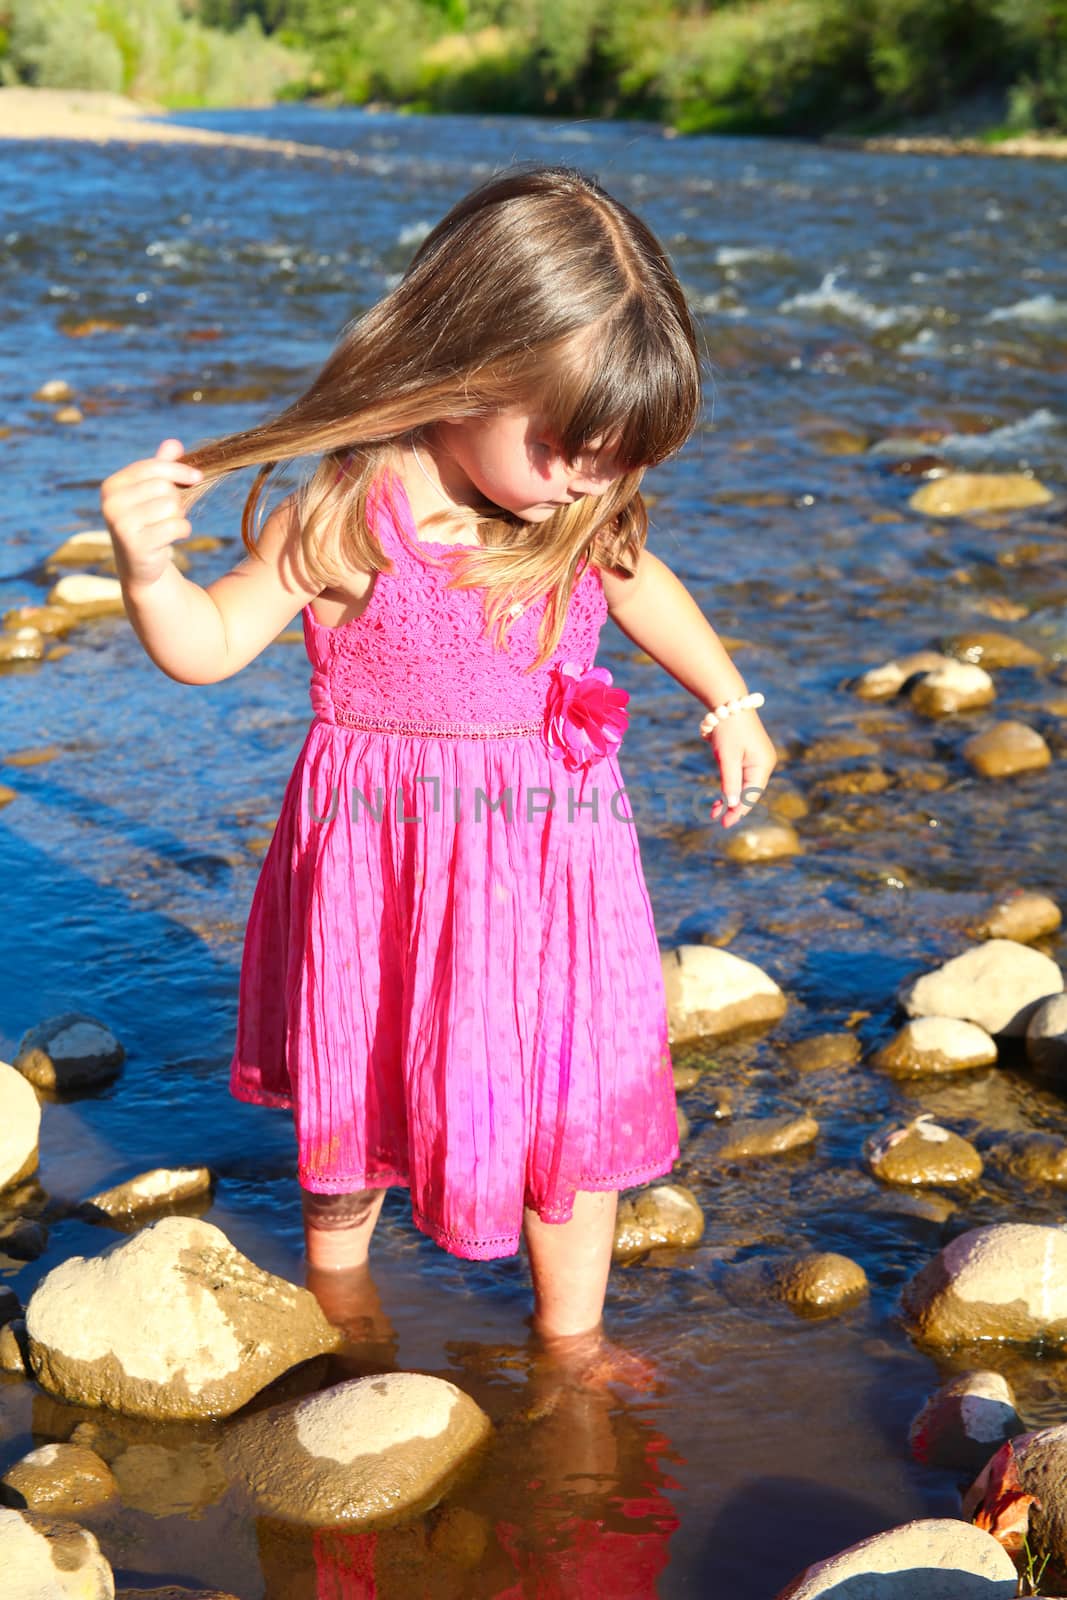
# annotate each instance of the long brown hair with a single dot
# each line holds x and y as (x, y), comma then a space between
(537, 289)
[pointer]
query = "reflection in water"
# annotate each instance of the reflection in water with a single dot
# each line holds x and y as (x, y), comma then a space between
(568, 1500)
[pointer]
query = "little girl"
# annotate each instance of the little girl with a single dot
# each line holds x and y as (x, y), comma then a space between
(451, 974)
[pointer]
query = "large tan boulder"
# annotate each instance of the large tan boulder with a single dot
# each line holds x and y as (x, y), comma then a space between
(711, 992)
(935, 1558)
(45, 1560)
(20, 1125)
(1006, 1281)
(173, 1322)
(998, 984)
(367, 1452)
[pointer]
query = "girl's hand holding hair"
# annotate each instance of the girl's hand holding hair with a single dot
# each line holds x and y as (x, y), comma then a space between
(144, 513)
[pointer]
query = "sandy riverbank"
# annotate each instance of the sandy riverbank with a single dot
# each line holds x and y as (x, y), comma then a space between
(104, 118)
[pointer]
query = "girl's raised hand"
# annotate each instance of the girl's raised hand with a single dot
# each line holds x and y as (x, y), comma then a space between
(144, 514)
(747, 757)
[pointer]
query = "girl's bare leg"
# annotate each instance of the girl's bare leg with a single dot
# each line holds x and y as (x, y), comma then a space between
(338, 1227)
(570, 1262)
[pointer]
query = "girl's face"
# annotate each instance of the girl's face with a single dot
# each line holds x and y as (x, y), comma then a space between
(510, 460)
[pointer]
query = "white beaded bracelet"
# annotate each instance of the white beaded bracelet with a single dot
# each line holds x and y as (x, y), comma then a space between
(745, 702)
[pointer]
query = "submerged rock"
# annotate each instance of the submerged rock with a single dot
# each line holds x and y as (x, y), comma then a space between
(934, 1558)
(710, 991)
(749, 1137)
(365, 1452)
(964, 1422)
(173, 1322)
(822, 1050)
(1036, 1158)
(998, 984)
(1006, 1281)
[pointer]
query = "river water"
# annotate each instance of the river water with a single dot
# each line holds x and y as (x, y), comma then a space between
(845, 297)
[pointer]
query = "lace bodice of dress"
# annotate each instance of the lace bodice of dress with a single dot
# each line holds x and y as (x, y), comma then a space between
(419, 651)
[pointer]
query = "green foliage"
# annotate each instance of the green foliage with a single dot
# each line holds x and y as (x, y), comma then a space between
(778, 66)
(147, 49)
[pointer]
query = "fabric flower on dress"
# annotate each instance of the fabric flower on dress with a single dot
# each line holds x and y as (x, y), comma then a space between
(585, 717)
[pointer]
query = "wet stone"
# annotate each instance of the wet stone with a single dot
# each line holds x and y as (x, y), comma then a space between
(663, 1214)
(924, 1153)
(1005, 1281)
(822, 1050)
(61, 1478)
(1023, 916)
(931, 1045)
(69, 1051)
(931, 1559)
(821, 1282)
(998, 985)
(964, 1422)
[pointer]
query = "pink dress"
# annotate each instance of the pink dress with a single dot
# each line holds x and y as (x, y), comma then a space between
(450, 971)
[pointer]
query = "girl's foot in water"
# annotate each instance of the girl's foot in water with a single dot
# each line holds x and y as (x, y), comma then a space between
(591, 1360)
(350, 1300)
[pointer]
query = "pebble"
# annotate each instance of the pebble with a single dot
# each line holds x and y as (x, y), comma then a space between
(957, 494)
(922, 1152)
(823, 1281)
(1006, 749)
(930, 1045)
(762, 841)
(663, 1214)
(950, 689)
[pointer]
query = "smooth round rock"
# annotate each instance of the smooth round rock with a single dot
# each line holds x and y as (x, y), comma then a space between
(762, 841)
(87, 595)
(931, 1045)
(823, 1281)
(172, 1322)
(151, 1192)
(1006, 749)
(998, 985)
(823, 1050)
(952, 688)
(69, 1051)
(750, 1137)
(993, 650)
(922, 1152)
(42, 1559)
(958, 494)
(932, 1559)
(60, 1478)
(711, 992)
(964, 1422)
(1046, 1036)
(882, 683)
(366, 1452)
(93, 546)
(20, 1125)
(663, 1214)
(1023, 916)
(1005, 1281)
